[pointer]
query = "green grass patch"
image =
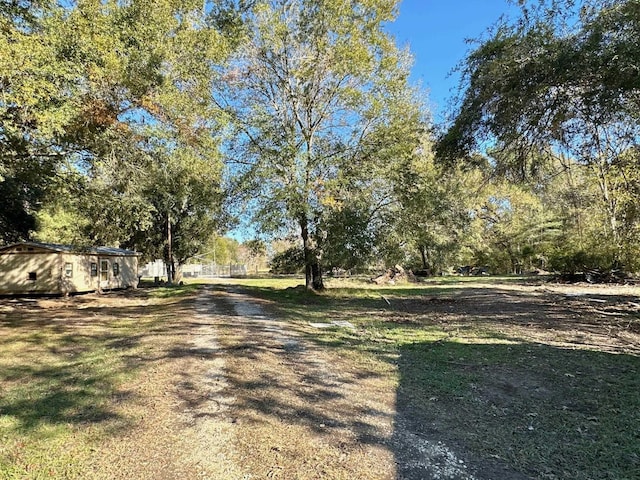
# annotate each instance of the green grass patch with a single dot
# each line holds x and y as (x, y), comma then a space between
(549, 412)
(172, 291)
(52, 389)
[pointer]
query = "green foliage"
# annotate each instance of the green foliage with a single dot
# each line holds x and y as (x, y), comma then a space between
(58, 223)
(255, 247)
(221, 250)
(289, 261)
(541, 82)
(560, 83)
(16, 221)
(312, 91)
(112, 115)
(352, 239)
(516, 227)
(573, 262)
(36, 106)
(433, 210)
(115, 99)
(253, 254)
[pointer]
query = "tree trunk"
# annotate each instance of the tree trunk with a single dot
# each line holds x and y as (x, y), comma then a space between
(603, 165)
(576, 207)
(170, 263)
(316, 271)
(312, 267)
(423, 254)
(177, 273)
(516, 267)
(308, 273)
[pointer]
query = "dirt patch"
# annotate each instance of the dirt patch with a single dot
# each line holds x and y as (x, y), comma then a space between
(576, 316)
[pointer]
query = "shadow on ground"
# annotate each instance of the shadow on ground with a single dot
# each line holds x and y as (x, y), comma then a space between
(522, 410)
(63, 360)
(514, 384)
(520, 384)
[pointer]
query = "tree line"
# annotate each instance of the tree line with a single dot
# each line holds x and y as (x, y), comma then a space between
(156, 125)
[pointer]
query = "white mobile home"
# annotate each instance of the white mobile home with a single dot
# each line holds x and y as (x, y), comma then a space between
(45, 268)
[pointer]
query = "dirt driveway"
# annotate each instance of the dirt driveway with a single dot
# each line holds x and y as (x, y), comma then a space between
(246, 396)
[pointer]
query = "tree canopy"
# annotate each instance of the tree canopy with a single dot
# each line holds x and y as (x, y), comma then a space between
(155, 125)
(312, 90)
(109, 104)
(562, 81)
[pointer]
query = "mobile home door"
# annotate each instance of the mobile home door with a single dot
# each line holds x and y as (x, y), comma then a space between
(104, 273)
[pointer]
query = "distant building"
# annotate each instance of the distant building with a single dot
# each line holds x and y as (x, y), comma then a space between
(29, 267)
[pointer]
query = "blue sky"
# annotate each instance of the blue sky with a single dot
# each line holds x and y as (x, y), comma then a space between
(435, 31)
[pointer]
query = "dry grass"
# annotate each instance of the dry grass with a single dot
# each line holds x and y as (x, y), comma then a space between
(88, 385)
(301, 412)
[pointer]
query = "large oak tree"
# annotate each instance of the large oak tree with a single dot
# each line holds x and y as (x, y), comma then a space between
(106, 122)
(313, 91)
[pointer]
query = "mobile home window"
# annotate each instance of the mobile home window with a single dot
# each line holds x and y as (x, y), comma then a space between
(104, 270)
(68, 270)
(94, 269)
(116, 269)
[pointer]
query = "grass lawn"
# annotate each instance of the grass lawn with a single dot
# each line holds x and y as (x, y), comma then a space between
(61, 374)
(535, 377)
(538, 378)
